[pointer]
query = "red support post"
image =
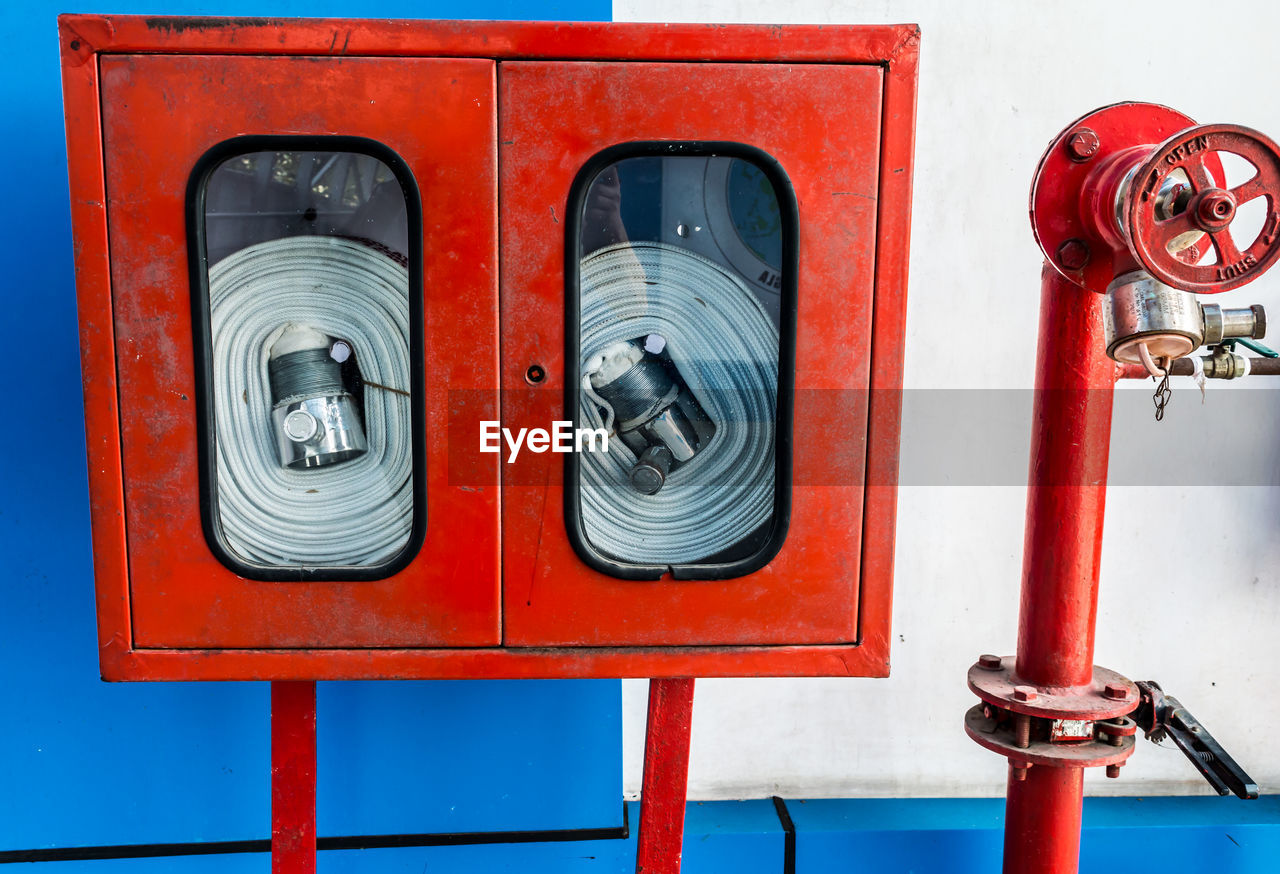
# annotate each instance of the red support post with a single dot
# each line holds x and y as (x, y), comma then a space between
(1065, 502)
(666, 776)
(293, 777)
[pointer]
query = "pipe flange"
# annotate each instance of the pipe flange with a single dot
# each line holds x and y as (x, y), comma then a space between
(1073, 197)
(1108, 696)
(998, 738)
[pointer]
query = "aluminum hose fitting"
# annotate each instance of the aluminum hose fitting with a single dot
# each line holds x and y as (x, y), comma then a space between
(1224, 324)
(1150, 323)
(1146, 320)
(654, 412)
(315, 417)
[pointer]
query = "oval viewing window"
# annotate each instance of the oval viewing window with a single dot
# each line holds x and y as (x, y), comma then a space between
(681, 308)
(307, 298)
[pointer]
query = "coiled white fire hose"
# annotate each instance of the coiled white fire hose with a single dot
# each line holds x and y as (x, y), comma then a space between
(357, 513)
(726, 349)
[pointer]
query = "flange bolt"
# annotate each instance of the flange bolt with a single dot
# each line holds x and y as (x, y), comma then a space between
(1082, 144)
(989, 662)
(1073, 254)
(1022, 731)
(1116, 691)
(1024, 693)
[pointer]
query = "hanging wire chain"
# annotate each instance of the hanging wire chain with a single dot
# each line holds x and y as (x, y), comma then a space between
(1162, 395)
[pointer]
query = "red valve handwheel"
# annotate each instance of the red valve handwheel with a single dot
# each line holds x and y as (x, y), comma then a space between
(1210, 209)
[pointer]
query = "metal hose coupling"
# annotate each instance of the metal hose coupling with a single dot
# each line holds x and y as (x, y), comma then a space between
(654, 411)
(315, 417)
(1150, 323)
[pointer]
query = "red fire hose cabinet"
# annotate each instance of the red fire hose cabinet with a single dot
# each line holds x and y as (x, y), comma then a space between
(427, 349)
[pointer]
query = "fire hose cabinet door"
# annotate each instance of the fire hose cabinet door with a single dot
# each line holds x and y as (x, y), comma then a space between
(422, 349)
(692, 263)
(302, 270)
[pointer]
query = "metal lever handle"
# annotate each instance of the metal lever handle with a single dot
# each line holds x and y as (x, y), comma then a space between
(1160, 715)
(1253, 345)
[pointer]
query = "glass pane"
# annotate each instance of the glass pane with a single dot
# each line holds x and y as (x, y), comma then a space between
(309, 314)
(680, 298)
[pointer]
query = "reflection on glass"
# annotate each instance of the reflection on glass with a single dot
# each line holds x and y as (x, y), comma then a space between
(753, 206)
(679, 290)
(308, 293)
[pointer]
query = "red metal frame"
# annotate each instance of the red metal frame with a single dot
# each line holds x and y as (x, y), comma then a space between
(293, 778)
(662, 802)
(666, 776)
(83, 35)
(154, 649)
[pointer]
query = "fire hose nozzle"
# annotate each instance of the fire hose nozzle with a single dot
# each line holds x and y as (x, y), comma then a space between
(315, 417)
(657, 415)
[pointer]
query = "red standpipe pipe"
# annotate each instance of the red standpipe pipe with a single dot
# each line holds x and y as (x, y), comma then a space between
(1065, 501)
(1042, 821)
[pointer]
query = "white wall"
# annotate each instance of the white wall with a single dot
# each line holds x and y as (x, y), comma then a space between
(1191, 575)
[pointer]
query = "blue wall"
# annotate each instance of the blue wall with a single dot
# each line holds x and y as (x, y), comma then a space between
(87, 763)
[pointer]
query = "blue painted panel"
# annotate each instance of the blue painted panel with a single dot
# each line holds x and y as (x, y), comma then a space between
(723, 837)
(238, 863)
(866, 835)
(743, 837)
(567, 857)
(410, 758)
(84, 763)
(1222, 835)
(964, 836)
(913, 836)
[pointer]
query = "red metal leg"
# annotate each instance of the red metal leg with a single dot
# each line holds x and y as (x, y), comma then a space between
(293, 778)
(1070, 444)
(666, 776)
